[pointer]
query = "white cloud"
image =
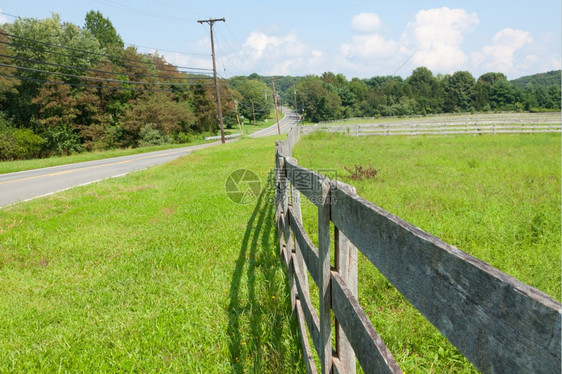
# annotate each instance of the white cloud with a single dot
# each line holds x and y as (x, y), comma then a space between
(499, 56)
(366, 23)
(435, 38)
(369, 47)
(3, 18)
(278, 55)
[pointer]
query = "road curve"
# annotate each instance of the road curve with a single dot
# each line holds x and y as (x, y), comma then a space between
(30, 184)
(290, 120)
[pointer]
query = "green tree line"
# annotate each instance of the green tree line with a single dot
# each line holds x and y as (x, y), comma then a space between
(67, 89)
(331, 96)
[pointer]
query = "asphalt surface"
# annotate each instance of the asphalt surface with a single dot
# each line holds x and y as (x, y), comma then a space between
(31, 184)
(288, 122)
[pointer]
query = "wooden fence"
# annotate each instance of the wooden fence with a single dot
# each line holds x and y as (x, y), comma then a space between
(445, 128)
(499, 323)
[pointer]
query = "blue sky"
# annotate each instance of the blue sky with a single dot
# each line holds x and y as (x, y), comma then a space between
(356, 38)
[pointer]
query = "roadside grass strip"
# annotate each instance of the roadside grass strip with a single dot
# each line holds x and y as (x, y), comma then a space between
(158, 271)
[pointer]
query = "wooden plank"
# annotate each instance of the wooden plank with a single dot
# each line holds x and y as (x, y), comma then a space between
(346, 266)
(307, 352)
(309, 252)
(337, 367)
(307, 182)
(325, 299)
(372, 353)
(499, 323)
(310, 315)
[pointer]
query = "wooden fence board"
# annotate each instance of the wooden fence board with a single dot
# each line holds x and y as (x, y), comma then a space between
(310, 315)
(325, 299)
(307, 352)
(499, 323)
(372, 353)
(306, 181)
(309, 252)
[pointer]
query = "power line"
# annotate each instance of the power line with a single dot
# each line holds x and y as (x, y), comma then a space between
(9, 15)
(102, 54)
(100, 87)
(168, 50)
(137, 10)
(88, 69)
(143, 46)
(75, 67)
(97, 79)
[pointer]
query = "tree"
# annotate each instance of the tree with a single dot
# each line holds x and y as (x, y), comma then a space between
(459, 92)
(426, 90)
(482, 89)
(320, 104)
(102, 29)
(158, 110)
(504, 95)
(254, 103)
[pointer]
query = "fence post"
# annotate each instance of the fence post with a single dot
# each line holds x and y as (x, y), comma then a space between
(295, 203)
(346, 266)
(324, 211)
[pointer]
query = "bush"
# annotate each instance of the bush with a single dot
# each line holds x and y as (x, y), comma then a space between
(19, 144)
(62, 140)
(151, 136)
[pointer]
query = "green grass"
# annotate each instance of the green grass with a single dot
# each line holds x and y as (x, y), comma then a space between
(21, 165)
(157, 271)
(504, 117)
(495, 197)
(260, 125)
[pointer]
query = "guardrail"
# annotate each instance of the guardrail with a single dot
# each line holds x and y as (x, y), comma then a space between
(448, 128)
(232, 136)
(499, 323)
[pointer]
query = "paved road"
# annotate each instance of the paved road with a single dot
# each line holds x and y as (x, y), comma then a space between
(27, 185)
(30, 184)
(288, 122)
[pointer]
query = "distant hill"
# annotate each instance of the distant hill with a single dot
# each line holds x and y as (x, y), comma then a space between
(542, 79)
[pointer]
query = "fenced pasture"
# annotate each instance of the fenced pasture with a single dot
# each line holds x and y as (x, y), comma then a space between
(473, 304)
(477, 124)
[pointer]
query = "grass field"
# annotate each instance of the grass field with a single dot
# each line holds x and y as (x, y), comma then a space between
(503, 117)
(157, 271)
(495, 197)
(160, 271)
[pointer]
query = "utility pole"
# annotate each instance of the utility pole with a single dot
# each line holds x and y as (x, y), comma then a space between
(276, 112)
(211, 21)
(295, 92)
(254, 113)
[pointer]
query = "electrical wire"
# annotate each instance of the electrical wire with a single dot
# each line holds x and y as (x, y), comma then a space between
(93, 70)
(100, 87)
(102, 54)
(77, 67)
(9, 15)
(137, 10)
(97, 79)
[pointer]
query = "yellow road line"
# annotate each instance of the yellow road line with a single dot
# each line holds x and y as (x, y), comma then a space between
(86, 168)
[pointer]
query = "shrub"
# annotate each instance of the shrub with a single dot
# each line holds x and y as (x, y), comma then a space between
(62, 140)
(17, 144)
(151, 136)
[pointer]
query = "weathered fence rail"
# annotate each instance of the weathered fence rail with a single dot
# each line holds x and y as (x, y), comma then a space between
(445, 128)
(499, 323)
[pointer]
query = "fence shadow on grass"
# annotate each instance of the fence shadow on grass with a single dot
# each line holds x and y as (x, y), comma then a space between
(262, 335)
